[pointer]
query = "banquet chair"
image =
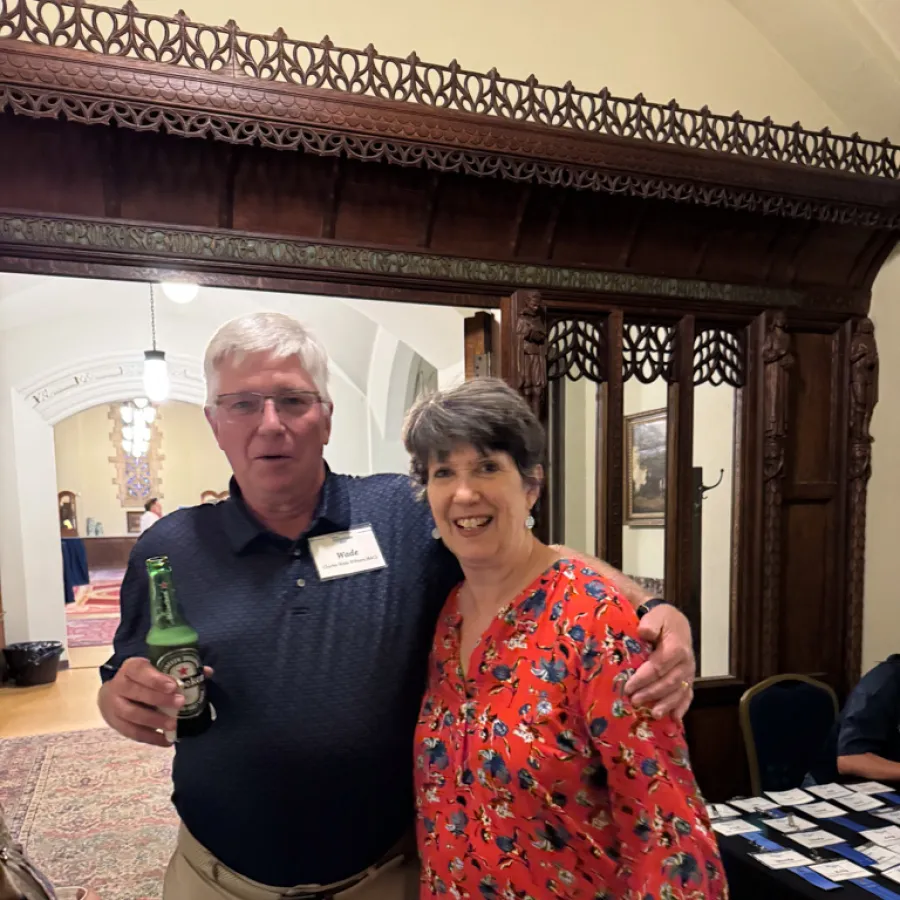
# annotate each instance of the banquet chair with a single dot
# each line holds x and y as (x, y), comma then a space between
(785, 721)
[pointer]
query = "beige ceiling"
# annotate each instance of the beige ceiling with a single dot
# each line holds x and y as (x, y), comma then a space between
(848, 51)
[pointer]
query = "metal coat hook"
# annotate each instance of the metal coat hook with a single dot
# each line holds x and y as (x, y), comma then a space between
(706, 488)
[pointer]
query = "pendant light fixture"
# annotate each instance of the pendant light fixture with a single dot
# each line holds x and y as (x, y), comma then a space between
(156, 373)
(180, 291)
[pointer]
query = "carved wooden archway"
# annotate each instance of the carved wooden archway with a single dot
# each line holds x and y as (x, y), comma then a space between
(315, 168)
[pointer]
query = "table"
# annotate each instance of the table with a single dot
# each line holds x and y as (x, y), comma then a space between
(751, 880)
(109, 551)
(75, 566)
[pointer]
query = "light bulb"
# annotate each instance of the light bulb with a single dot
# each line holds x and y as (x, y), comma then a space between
(156, 376)
(127, 414)
(149, 415)
(128, 432)
(180, 291)
(140, 402)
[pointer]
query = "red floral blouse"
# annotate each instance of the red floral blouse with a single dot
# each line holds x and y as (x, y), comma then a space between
(536, 777)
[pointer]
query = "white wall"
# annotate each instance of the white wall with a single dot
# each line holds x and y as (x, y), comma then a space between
(66, 345)
(643, 549)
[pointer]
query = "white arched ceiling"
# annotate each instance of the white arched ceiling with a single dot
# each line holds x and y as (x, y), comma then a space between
(114, 315)
(55, 395)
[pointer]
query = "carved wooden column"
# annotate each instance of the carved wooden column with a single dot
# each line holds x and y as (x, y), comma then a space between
(530, 350)
(863, 397)
(777, 360)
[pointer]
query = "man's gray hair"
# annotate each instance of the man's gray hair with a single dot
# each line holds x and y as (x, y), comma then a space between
(484, 413)
(279, 335)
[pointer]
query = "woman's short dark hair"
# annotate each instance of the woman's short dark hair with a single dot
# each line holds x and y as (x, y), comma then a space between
(149, 504)
(484, 413)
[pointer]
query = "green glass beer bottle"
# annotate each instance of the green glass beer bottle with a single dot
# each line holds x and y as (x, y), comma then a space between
(173, 647)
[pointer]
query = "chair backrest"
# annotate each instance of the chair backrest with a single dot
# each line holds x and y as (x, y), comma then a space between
(785, 720)
(213, 496)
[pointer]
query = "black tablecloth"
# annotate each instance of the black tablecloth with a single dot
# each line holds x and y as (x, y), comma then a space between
(751, 880)
(75, 566)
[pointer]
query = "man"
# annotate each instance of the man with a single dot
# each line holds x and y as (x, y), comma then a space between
(152, 513)
(864, 744)
(315, 596)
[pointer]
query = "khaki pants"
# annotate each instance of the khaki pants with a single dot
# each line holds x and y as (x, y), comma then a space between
(195, 874)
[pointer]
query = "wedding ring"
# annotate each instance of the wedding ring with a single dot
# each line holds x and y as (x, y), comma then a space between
(686, 685)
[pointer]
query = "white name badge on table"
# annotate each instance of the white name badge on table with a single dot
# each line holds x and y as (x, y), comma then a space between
(795, 797)
(828, 791)
(787, 824)
(721, 811)
(754, 804)
(823, 810)
(884, 858)
(859, 802)
(783, 859)
(893, 874)
(346, 553)
(891, 815)
(870, 787)
(812, 840)
(884, 837)
(840, 871)
(730, 827)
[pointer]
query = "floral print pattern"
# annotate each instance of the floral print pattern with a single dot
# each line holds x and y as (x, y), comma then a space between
(537, 778)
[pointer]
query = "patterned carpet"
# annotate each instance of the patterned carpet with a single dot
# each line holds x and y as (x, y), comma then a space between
(91, 621)
(92, 809)
(96, 598)
(94, 632)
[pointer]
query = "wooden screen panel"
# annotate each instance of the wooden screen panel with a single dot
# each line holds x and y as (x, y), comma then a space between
(812, 440)
(810, 625)
(809, 631)
(366, 199)
(274, 192)
(713, 734)
(179, 182)
(74, 183)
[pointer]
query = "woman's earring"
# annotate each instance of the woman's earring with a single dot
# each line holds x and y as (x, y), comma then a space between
(529, 521)
(436, 533)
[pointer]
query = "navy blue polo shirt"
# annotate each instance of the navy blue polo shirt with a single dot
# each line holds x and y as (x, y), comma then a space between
(868, 723)
(305, 777)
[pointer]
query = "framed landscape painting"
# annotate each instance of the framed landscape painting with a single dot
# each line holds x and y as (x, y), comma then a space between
(645, 469)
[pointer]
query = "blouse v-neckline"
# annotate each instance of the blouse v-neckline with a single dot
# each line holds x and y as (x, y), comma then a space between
(511, 614)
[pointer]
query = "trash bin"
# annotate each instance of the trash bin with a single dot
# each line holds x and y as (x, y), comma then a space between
(33, 662)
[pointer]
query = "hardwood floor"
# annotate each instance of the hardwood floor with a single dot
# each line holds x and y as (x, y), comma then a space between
(68, 705)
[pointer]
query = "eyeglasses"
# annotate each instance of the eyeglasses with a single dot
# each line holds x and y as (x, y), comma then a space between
(247, 404)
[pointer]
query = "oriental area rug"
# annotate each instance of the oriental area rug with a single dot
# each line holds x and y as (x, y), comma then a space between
(91, 621)
(92, 809)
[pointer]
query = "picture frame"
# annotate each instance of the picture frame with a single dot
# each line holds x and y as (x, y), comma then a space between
(646, 468)
(133, 520)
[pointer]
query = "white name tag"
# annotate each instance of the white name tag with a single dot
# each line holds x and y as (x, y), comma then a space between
(346, 553)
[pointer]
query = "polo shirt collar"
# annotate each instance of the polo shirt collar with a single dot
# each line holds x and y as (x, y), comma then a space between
(242, 527)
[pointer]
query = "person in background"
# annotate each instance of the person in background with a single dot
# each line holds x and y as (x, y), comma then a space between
(536, 775)
(303, 784)
(152, 513)
(864, 744)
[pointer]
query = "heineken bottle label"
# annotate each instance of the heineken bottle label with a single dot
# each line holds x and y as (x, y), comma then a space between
(185, 666)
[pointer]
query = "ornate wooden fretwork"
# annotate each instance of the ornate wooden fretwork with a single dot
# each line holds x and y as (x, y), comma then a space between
(576, 348)
(719, 357)
(260, 252)
(179, 43)
(648, 352)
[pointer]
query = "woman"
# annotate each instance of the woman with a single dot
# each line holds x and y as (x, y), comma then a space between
(535, 775)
